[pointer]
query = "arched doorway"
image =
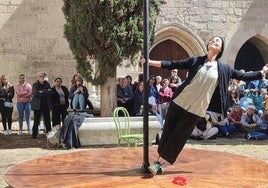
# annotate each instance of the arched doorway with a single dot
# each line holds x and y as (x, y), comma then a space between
(251, 56)
(172, 43)
(167, 50)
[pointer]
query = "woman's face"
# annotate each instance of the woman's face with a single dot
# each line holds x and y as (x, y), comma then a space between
(140, 87)
(215, 44)
(4, 80)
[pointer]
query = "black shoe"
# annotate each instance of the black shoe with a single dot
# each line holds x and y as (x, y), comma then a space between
(228, 135)
(34, 136)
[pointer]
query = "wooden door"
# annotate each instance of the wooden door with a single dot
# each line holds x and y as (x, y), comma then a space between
(167, 50)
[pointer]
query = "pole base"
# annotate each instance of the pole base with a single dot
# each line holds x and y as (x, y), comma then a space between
(144, 168)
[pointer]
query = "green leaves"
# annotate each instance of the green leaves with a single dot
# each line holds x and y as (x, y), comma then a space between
(108, 29)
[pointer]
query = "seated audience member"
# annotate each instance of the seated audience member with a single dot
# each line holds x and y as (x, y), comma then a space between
(261, 131)
(165, 95)
(223, 125)
(249, 119)
(258, 101)
(245, 100)
(78, 95)
(204, 129)
(124, 95)
(140, 79)
(60, 102)
(129, 80)
(233, 98)
(234, 117)
(265, 99)
(138, 101)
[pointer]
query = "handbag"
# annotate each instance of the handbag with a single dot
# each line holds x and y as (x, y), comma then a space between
(8, 104)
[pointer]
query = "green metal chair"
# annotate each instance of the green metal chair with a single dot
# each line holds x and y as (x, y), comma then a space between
(123, 128)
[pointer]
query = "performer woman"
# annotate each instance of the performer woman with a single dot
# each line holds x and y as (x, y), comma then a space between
(206, 88)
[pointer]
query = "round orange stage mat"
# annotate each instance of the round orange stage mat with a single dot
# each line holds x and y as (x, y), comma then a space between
(119, 167)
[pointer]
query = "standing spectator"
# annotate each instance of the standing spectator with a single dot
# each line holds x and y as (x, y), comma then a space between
(6, 106)
(165, 95)
(24, 95)
(158, 84)
(78, 95)
(124, 95)
(174, 80)
(60, 102)
(41, 103)
(174, 72)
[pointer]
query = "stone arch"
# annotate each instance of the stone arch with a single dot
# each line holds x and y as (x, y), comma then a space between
(183, 37)
(252, 54)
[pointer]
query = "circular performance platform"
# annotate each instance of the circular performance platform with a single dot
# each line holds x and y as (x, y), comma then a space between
(119, 167)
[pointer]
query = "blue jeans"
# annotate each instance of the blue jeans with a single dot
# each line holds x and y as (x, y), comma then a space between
(227, 129)
(24, 107)
(78, 99)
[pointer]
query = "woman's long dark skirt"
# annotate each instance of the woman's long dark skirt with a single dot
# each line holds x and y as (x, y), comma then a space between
(178, 127)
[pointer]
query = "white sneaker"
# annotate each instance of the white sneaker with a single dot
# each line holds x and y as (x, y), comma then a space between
(20, 133)
(9, 132)
(5, 132)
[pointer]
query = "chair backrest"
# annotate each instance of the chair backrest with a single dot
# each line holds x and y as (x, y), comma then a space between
(121, 120)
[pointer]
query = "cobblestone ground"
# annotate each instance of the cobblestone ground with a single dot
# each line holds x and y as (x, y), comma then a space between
(16, 149)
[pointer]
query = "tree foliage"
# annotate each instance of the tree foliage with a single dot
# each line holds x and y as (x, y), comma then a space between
(108, 30)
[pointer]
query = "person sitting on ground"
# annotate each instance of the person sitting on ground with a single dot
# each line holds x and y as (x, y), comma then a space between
(222, 123)
(234, 117)
(261, 131)
(78, 95)
(204, 129)
(249, 120)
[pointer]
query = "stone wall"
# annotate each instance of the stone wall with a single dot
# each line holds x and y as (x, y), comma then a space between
(31, 40)
(31, 33)
(236, 21)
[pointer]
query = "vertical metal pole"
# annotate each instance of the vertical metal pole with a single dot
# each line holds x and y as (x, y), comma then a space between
(145, 164)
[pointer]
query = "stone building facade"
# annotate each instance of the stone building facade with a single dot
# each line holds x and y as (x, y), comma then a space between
(31, 34)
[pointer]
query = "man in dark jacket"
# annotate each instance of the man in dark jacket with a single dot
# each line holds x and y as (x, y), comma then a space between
(41, 103)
